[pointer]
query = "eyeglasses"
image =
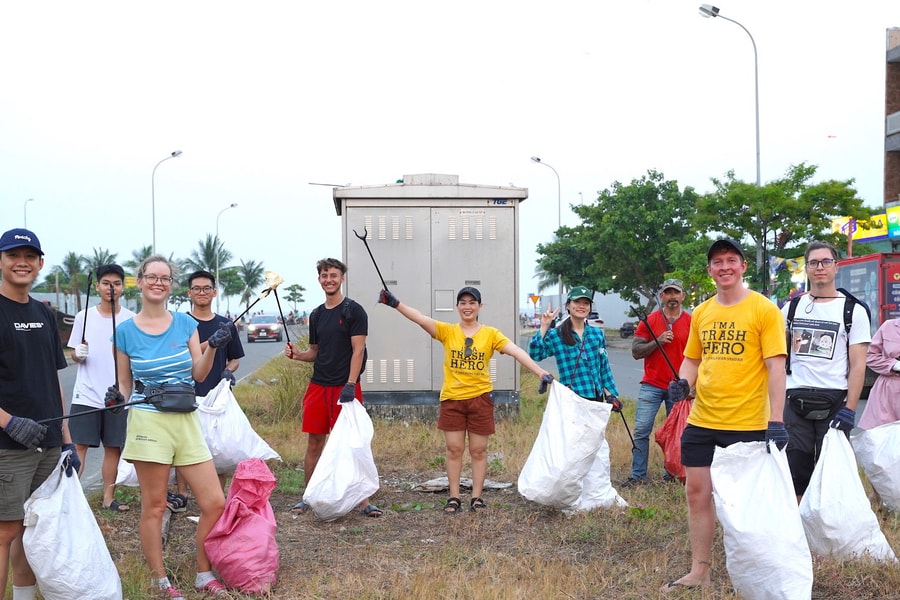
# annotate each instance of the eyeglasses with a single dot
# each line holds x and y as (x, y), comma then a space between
(469, 342)
(669, 282)
(206, 289)
(165, 279)
(825, 262)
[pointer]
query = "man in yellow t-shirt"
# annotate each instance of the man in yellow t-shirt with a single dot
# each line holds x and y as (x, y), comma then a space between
(734, 358)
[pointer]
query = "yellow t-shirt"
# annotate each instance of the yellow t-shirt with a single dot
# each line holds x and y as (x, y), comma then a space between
(731, 343)
(466, 366)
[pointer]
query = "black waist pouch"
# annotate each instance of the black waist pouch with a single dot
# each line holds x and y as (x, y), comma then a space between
(815, 404)
(172, 397)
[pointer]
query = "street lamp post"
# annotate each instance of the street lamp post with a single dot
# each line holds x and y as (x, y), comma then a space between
(558, 211)
(25, 212)
(218, 249)
(707, 11)
(174, 154)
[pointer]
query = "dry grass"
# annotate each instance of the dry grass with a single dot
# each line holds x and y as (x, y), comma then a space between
(514, 550)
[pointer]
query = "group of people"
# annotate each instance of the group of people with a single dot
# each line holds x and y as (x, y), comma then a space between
(156, 361)
(733, 356)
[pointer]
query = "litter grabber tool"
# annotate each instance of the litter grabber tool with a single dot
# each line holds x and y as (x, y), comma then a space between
(363, 237)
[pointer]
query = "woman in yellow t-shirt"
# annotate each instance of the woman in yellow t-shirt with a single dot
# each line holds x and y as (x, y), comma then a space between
(467, 405)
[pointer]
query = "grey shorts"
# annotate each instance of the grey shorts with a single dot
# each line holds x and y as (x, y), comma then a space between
(101, 427)
(22, 472)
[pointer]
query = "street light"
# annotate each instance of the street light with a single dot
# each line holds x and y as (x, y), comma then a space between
(217, 247)
(559, 213)
(707, 11)
(25, 212)
(175, 154)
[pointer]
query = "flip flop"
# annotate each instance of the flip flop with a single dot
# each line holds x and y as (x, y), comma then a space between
(116, 507)
(675, 585)
(177, 503)
(301, 508)
(372, 511)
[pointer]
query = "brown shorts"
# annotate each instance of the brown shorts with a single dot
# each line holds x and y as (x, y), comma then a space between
(475, 415)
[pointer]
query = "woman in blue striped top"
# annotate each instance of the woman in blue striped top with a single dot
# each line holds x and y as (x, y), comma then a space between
(580, 349)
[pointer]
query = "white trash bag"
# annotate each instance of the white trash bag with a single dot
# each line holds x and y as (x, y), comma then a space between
(229, 435)
(568, 467)
(345, 474)
(835, 510)
(765, 547)
(64, 545)
(878, 453)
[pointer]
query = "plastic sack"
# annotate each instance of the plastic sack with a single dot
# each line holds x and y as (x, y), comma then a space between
(241, 545)
(567, 467)
(127, 476)
(765, 547)
(668, 436)
(835, 510)
(229, 435)
(64, 545)
(878, 453)
(345, 474)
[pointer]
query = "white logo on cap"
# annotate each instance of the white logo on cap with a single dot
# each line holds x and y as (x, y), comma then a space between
(22, 237)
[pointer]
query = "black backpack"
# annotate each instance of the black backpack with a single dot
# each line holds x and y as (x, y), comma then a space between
(849, 301)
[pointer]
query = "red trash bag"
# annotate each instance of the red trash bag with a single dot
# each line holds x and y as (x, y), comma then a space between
(241, 545)
(668, 436)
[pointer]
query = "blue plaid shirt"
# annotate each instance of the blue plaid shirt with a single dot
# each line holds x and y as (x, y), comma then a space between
(593, 373)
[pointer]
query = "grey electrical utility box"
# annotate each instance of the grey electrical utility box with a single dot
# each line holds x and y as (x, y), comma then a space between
(430, 236)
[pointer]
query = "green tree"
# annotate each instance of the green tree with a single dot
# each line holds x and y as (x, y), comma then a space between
(101, 257)
(71, 275)
(621, 244)
(204, 257)
(780, 217)
(251, 274)
(294, 295)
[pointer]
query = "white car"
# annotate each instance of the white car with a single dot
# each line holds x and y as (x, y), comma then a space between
(593, 320)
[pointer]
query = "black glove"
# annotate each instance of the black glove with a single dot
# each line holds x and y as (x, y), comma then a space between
(114, 398)
(388, 297)
(616, 403)
(221, 337)
(348, 394)
(546, 380)
(777, 434)
(844, 420)
(27, 432)
(72, 462)
(227, 374)
(679, 390)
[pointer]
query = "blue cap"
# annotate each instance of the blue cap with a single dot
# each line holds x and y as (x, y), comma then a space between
(18, 238)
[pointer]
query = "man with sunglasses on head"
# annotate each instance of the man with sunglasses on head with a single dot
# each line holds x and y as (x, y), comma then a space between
(670, 326)
(824, 380)
(201, 292)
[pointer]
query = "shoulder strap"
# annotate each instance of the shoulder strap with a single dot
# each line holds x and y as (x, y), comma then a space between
(849, 301)
(792, 308)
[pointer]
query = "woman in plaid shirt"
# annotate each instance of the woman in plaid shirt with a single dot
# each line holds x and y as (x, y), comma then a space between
(580, 349)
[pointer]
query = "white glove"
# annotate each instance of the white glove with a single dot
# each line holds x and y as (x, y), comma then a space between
(81, 351)
(896, 366)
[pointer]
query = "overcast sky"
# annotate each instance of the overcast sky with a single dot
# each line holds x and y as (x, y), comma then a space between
(263, 98)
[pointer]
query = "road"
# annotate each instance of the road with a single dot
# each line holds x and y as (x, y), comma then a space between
(255, 355)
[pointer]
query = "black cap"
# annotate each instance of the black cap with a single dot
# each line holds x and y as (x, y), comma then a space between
(724, 244)
(110, 268)
(470, 291)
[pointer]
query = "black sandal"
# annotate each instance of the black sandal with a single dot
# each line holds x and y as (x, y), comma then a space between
(453, 506)
(477, 504)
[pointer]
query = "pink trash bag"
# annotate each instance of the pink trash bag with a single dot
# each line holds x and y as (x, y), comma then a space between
(241, 545)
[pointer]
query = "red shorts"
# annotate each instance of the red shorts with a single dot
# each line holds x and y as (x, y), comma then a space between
(321, 407)
(475, 415)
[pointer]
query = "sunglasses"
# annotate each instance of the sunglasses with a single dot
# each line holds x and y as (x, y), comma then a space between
(469, 342)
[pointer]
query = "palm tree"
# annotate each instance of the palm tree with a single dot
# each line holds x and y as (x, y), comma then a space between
(101, 257)
(251, 274)
(69, 273)
(204, 257)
